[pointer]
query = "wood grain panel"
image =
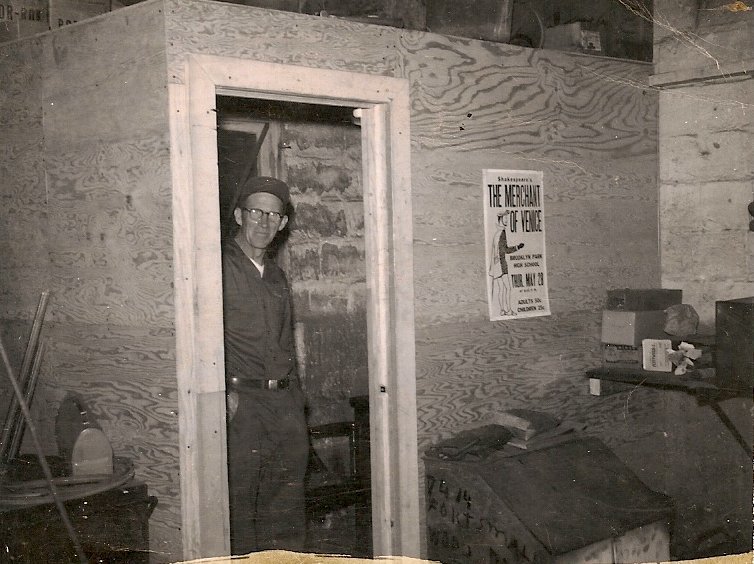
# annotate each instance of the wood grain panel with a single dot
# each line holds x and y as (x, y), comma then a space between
(441, 294)
(274, 36)
(23, 226)
(467, 372)
(589, 122)
(133, 173)
(107, 120)
(583, 179)
(578, 276)
(112, 253)
(455, 217)
(97, 51)
(15, 337)
(573, 257)
(127, 378)
(546, 102)
(107, 298)
(20, 289)
(579, 290)
(105, 81)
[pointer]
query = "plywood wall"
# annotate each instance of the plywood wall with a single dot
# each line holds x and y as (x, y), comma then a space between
(84, 178)
(23, 224)
(23, 229)
(589, 123)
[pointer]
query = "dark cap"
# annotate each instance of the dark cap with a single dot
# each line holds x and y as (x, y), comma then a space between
(264, 184)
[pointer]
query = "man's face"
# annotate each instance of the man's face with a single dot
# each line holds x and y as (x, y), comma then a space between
(259, 232)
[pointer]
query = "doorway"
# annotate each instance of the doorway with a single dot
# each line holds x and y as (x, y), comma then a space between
(316, 149)
(381, 104)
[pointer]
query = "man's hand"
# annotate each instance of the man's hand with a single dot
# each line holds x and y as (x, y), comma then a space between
(231, 404)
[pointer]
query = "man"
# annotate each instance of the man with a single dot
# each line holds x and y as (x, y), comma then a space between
(267, 433)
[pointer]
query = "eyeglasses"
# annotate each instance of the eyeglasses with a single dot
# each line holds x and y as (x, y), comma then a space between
(256, 215)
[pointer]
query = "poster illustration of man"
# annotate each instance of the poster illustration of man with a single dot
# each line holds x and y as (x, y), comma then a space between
(501, 280)
(515, 242)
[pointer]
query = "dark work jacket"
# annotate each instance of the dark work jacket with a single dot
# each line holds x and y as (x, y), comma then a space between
(257, 318)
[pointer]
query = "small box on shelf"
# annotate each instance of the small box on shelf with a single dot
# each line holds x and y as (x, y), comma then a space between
(631, 327)
(623, 356)
(655, 356)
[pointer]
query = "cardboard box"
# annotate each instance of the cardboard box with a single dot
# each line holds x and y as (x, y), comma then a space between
(655, 355)
(621, 356)
(631, 327)
(572, 502)
(599, 387)
(633, 358)
(629, 299)
(573, 37)
(21, 18)
(489, 20)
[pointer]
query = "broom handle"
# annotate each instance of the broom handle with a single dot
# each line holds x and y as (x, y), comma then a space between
(18, 434)
(14, 412)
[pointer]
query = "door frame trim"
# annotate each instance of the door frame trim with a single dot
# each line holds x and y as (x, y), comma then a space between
(383, 103)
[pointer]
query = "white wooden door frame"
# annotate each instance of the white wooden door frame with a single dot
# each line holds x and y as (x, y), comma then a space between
(384, 103)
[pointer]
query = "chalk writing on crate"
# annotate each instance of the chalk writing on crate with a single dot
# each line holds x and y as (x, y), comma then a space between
(455, 507)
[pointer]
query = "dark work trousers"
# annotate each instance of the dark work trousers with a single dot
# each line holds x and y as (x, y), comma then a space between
(268, 447)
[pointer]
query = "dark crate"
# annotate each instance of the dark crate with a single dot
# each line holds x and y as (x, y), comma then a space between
(112, 526)
(551, 505)
(734, 338)
(629, 299)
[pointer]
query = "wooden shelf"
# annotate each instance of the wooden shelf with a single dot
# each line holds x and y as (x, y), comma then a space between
(696, 382)
(702, 384)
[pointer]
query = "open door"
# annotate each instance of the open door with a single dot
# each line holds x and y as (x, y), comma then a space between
(383, 105)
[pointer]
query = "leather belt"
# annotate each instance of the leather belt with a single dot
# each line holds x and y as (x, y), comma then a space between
(240, 384)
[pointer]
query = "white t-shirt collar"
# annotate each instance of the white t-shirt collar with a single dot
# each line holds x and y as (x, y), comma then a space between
(259, 265)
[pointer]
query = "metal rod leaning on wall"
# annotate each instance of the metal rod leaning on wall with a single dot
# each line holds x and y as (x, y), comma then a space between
(13, 414)
(18, 432)
(41, 456)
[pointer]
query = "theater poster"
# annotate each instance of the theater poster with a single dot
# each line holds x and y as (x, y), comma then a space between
(514, 229)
